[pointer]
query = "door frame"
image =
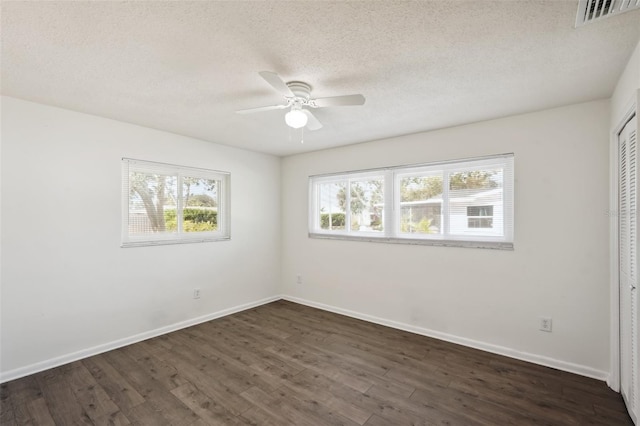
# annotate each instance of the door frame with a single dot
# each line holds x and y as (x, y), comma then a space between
(613, 381)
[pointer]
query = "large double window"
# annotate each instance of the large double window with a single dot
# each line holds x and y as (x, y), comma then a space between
(462, 203)
(168, 204)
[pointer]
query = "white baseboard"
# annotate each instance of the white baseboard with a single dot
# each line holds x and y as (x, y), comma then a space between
(500, 350)
(6, 376)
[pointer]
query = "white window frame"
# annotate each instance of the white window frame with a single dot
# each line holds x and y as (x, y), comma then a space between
(503, 238)
(480, 218)
(357, 176)
(223, 231)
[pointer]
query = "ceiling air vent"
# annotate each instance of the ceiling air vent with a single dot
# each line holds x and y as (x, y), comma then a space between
(594, 10)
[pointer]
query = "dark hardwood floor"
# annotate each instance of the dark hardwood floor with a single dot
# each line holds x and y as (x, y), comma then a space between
(287, 364)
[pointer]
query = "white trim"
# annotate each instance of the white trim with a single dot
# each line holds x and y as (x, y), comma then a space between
(390, 178)
(178, 236)
(613, 380)
(17, 373)
(485, 243)
(500, 350)
(582, 370)
(482, 161)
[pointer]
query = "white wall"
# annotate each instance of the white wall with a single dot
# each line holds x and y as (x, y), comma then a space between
(485, 298)
(68, 289)
(626, 88)
(625, 98)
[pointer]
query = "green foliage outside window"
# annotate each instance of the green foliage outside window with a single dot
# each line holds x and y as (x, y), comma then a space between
(337, 221)
(194, 220)
(422, 227)
(368, 195)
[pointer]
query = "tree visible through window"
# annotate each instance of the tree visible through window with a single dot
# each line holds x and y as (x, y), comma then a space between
(354, 204)
(332, 212)
(166, 203)
(467, 200)
(365, 204)
(420, 207)
(148, 195)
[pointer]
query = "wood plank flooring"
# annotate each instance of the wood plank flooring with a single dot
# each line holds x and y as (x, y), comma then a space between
(288, 364)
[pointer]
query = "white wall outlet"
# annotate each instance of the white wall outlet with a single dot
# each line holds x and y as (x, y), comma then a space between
(196, 293)
(298, 279)
(545, 324)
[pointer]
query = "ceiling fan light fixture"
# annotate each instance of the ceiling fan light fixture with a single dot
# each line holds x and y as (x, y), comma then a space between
(298, 94)
(296, 118)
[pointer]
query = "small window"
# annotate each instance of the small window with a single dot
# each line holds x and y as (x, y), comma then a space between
(168, 204)
(332, 209)
(462, 203)
(420, 202)
(480, 216)
(350, 206)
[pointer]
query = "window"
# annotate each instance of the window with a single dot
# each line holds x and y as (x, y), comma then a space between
(168, 204)
(480, 216)
(353, 205)
(462, 203)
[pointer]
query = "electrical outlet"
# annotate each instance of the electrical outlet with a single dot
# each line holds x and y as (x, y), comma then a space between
(299, 279)
(196, 293)
(545, 324)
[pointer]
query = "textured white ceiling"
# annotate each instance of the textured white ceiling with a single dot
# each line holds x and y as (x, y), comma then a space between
(185, 67)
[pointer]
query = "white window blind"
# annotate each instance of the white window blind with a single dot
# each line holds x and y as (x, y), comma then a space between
(169, 204)
(461, 202)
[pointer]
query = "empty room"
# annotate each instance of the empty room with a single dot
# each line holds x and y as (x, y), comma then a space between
(319, 212)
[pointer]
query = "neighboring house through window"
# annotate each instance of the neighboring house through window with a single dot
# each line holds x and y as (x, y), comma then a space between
(480, 216)
(463, 203)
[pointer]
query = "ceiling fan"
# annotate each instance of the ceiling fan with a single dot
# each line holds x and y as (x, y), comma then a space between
(297, 96)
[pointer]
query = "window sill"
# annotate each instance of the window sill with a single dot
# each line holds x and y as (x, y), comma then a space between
(147, 243)
(495, 245)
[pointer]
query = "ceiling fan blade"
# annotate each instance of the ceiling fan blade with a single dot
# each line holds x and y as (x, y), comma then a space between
(345, 100)
(276, 82)
(259, 109)
(312, 122)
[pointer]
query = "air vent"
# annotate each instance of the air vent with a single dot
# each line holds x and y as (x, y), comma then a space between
(594, 10)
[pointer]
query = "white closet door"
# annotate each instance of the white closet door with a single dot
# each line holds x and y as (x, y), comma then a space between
(628, 237)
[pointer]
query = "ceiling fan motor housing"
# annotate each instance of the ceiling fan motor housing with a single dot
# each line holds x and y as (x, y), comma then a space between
(300, 90)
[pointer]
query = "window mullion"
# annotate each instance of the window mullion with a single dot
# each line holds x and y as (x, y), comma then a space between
(445, 204)
(126, 200)
(347, 207)
(179, 204)
(330, 215)
(507, 200)
(219, 196)
(390, 210)
(333, 213)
